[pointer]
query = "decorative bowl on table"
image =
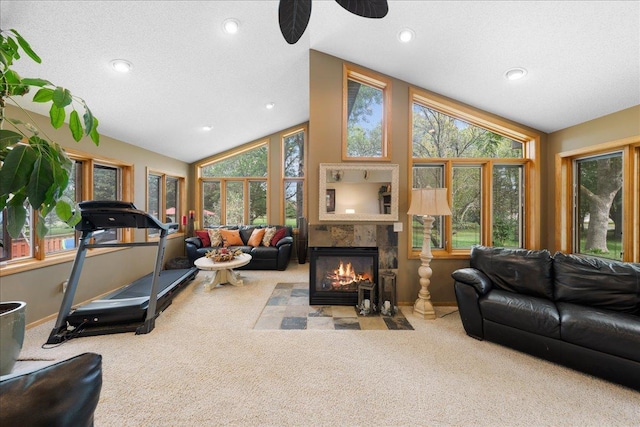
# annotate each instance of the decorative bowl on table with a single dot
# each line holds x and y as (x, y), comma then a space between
(223, 254)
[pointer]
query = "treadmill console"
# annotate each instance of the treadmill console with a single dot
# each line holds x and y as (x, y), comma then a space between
(103, 214)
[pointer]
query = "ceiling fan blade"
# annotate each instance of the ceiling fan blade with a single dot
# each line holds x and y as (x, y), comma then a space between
(366, 8)
(293, 16)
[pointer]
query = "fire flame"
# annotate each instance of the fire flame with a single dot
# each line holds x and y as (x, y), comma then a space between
(345, 275)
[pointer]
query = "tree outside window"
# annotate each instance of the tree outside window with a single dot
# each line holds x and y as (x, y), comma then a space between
(599, 225)
(106, 186)
(293, 147)
(366, 111)
(483, 172)
(164, 199)
(61, 236)
(228, 182)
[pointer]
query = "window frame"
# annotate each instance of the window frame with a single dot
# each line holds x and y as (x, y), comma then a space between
(39, 259)
(285, 179)
(564, 201)
(531, 173)
(181, 211)
(200, 179)
(378, 81)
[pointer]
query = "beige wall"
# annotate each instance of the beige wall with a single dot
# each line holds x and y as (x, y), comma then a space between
(613, 127)
(40, 288)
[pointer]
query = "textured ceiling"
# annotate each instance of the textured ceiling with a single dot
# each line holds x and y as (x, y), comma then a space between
(582, 57)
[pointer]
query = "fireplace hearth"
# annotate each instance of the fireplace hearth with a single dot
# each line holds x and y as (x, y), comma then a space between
(336, 272)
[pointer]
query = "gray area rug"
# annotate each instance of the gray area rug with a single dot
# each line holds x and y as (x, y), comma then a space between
(288, 308)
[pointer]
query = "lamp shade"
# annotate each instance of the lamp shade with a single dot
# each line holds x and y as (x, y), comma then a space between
(429, 201)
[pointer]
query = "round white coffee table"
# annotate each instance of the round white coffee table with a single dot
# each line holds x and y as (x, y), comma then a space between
(222, 270)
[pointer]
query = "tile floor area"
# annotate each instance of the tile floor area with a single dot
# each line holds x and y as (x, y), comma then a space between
(288, 308)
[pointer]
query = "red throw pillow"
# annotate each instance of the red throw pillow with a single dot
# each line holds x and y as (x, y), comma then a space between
(279, 235)
(204, 238)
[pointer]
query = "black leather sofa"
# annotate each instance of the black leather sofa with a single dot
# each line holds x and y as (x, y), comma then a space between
(62, 394)
(581, 312)
(262, 257)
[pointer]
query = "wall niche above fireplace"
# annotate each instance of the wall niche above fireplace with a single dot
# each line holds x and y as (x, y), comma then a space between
(358, 192)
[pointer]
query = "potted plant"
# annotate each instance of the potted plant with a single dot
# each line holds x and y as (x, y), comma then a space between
(34, 170)
(12, 326)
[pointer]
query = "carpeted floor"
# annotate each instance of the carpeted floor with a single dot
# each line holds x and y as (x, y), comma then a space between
(205, 364)
(288, 308)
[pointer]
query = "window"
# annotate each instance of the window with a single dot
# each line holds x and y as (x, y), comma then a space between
(598, 204)
(233, 187)
(164, 198)
(61, 236)
(22, 247)
(484, 164)
(107, 185)
(366, 126)
(91, 179)
(294, 170)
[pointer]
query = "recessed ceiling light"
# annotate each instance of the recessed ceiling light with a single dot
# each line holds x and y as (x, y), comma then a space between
(121, 65)
(207, 128)
(270, 106)
(515, 73)
(406, 35)
(231, 25)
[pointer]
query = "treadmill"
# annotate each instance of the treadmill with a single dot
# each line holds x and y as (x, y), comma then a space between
(134, 307)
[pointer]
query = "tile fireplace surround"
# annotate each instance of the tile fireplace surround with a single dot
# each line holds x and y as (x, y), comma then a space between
(359, 235)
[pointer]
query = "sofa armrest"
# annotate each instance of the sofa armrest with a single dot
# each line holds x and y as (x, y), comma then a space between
(192, 244)
(287, 240)
(284, 252)
(473, 277)
(62, 394)
(194, 241)
(471, 284)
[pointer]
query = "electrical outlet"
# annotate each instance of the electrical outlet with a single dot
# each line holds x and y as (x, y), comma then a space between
(63, 286)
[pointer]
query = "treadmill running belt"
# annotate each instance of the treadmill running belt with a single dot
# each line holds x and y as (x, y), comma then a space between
(129, 303)
(142, 286)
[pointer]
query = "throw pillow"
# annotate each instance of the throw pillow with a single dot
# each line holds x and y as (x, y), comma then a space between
(215, 239)
(204, 238)
(279, 235)
(256, 237)
(268, 235)
(231, 238)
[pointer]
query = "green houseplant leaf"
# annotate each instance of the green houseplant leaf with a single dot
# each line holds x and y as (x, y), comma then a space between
(26, 47)
(57, 116)
(37, 82)
(8, 138)
(61, 97)
(16, 215)
(43, 95)
(16, 169)
(76, 126)
(95, 137)
(40, 181)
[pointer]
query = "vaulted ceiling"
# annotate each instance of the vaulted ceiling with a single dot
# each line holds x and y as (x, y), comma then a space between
(582, 60)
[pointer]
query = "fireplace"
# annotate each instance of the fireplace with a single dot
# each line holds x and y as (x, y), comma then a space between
(335, 272)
